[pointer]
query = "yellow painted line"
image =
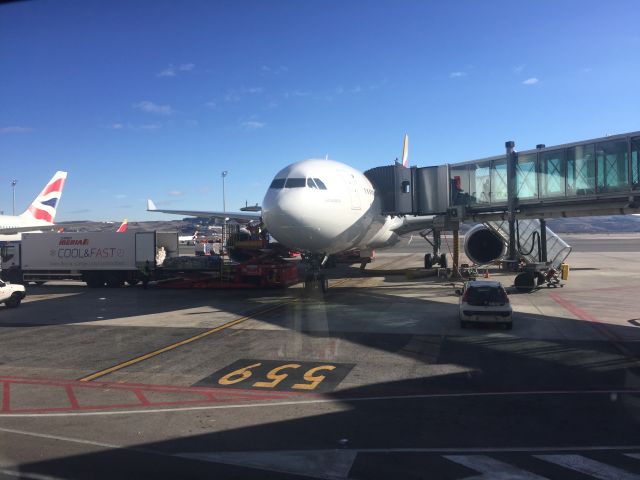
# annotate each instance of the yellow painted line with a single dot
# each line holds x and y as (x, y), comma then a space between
(146, 356)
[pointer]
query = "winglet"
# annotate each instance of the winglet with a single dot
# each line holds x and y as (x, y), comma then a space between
(405, 152)
(150, 205)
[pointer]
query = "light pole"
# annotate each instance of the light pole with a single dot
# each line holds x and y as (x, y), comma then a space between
(224, 197)
(13, 187)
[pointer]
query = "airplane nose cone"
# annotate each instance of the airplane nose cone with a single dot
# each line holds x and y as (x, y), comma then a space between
(290, 219)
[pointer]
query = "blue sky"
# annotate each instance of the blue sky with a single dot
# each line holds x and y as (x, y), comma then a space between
(156, 98)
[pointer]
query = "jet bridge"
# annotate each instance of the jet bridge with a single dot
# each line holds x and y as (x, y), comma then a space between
(592, 177)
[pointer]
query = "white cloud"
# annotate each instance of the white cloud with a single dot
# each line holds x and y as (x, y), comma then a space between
(530, 81)
(457, 74)
(587, 69)
(172, 71)
(175, 193)
(274, 70)
(130, 126)
(150, 107)
(253, 124)
(120, 196)
(149, 126)
(232, 97)
(210, 104)
(254, 90)
(518, 69)
(15, 129)
(167, 72)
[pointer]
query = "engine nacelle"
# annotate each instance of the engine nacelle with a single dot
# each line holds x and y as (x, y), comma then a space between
(483, 246)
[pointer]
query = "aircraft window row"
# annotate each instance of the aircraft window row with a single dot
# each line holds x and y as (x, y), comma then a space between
(298, 183)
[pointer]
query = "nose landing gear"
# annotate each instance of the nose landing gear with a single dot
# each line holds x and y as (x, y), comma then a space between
(315, 280)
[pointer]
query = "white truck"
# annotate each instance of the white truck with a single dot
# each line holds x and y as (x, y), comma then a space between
(97, 258)
(11, 295)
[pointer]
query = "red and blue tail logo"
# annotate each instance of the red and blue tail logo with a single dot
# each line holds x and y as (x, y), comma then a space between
(44, 206)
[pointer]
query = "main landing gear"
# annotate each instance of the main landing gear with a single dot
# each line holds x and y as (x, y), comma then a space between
(315, 280)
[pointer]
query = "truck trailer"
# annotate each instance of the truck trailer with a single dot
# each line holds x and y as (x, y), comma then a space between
(97, 258)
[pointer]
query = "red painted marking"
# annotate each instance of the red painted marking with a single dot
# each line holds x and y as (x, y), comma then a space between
(143, 400)
(207, 395)
(582, 315)
(6, 396)
(72, 397)
(570, 307)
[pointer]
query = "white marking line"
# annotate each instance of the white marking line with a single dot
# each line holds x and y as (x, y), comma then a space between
(581, 464)
(492, 469)
(321, 401)
(27, 475)
(633, 455)
(323, 464)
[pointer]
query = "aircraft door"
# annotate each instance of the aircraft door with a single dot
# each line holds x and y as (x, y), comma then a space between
(352, 187)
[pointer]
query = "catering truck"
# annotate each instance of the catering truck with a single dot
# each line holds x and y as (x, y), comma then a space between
(113, 259)
(97, 258)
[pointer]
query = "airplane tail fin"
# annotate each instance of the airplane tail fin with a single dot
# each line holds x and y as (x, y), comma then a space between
(123, 226)
(405, 152)
(45, 205)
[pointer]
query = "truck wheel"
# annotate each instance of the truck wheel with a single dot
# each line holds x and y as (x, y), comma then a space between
(428, 262)
(443, 260)
(13, 302)
(94, 281)
(115, 282)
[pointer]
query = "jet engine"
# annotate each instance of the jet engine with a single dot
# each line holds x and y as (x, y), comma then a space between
(481, 245)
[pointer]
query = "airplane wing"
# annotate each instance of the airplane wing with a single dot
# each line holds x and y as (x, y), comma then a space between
(32, 228)
(242, 217)
(413, 224)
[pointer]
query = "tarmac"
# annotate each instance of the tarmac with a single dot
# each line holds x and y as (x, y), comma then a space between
(375, 379)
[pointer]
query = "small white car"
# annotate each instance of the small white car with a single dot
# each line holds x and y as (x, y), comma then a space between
(11, 294)
(485, 301)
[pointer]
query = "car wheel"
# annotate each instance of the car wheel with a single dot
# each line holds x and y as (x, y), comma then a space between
(13, 302)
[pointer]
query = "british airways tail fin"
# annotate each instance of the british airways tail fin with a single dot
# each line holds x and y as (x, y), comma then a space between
(123, 226)
(45, 205)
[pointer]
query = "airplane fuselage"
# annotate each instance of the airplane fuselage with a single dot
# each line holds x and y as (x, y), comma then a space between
(325, 207)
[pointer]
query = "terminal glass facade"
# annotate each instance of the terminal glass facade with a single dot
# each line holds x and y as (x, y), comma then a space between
(526, 176)
(612, 166)
(551, 175)
(581, 170)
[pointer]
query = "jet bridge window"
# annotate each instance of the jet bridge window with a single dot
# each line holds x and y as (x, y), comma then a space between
(295, 183)
(277, 183)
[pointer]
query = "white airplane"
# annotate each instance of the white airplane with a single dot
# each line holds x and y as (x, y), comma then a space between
(188, 239)
(39, 215)
(322, 207)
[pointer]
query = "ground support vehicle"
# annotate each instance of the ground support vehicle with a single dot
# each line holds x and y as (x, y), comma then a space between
(97, 258)
(484, 302)
(11, 295)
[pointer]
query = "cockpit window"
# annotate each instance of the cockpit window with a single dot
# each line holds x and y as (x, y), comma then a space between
(277, 183)
(295, 183)
(311, 183)
(320, 184)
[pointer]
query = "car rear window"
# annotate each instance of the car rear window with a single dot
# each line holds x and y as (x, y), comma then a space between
(485, 296)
